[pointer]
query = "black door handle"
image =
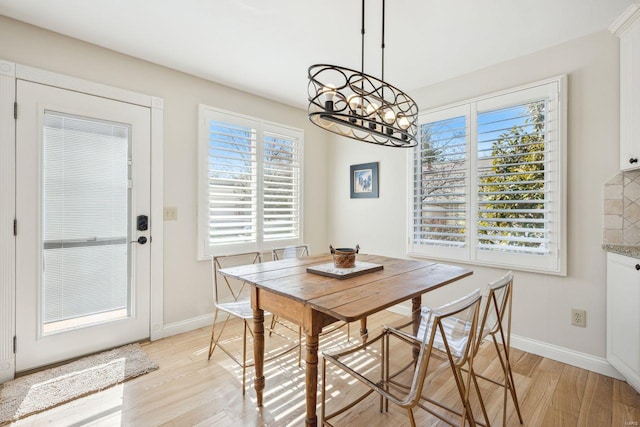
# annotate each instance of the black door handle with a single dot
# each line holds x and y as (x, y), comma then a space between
(141, 240)
(638, 267)
(633, 160)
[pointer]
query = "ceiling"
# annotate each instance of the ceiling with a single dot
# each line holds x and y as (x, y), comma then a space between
(266, 46)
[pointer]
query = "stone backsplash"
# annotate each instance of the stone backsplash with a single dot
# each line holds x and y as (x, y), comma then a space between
(621, 210)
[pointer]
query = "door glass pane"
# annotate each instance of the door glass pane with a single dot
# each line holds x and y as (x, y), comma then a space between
(85, 180)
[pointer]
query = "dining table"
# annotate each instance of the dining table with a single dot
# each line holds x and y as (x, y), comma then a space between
(310, 293)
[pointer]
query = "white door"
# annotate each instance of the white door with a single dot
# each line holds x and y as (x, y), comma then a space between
(82, 197)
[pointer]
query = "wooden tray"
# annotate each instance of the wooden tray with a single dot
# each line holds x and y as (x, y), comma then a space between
(330, 270)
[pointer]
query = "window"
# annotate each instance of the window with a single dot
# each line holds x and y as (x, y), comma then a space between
(250, 184)
(488, 180)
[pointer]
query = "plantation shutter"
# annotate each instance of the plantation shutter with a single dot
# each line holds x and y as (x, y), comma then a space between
(489, 180)
(440, 181)
(513, 192)
(250, 184)
(232, 182)
(281, 194)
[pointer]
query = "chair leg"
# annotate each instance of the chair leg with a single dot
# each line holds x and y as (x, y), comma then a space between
(412, 420)
(274, 319)
(324, 395)
(482, 406)
(463, 391)
(508, 379)
(514, 395)
(214, 341)
(299, 346)
(244, 356)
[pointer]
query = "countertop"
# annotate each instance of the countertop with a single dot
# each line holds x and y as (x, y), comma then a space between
(626, 250)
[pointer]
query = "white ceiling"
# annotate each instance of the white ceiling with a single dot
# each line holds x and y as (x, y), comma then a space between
(266, 46)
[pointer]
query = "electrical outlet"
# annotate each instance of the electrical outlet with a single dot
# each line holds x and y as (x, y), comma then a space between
(170, 213)
(579, 317)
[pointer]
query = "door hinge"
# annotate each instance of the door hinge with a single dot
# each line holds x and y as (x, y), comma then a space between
(15, 110)
(14, 344)
(15, 227)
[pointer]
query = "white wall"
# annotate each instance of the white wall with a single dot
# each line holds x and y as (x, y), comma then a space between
(187, 283)
(542, 303)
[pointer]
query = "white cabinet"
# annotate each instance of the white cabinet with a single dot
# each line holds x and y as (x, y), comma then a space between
(623, 316)
(627, 27)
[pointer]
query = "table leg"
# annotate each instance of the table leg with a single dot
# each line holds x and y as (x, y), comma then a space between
(258, 352)
(416, 305)
(364, 333)
(311, 359)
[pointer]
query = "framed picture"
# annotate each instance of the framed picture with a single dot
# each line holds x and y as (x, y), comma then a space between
(364, 181)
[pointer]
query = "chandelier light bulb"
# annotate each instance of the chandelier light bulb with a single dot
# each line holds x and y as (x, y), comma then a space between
(355, 102)
(329, 92)
(389, 117)
(403, 122)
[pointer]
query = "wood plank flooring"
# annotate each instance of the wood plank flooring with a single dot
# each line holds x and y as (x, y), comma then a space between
(189, 390)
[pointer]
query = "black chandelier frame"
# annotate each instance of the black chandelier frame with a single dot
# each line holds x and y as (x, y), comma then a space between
(359, 106)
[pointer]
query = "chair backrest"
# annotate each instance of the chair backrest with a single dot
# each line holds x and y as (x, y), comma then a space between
(290, 252)
(497, 305)
(225, 288)
(451, 328)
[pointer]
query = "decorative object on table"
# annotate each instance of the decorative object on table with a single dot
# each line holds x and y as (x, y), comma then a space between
(359, 106)
(330, 270)
(344, 257)
(364, 181)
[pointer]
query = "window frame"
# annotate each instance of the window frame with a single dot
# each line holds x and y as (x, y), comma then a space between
(555, 90)
(205, 115)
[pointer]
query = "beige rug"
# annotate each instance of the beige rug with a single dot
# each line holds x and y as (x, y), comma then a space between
(46, 389)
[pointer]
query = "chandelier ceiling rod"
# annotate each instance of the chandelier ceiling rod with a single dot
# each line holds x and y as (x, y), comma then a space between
(362, 49)
(382, 46)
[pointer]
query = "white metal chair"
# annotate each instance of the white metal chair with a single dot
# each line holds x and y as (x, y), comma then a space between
(450, 329)
(233, 299)
(300, 251)
(496, 322)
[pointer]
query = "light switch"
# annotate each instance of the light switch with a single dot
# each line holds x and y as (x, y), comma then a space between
(170, 213)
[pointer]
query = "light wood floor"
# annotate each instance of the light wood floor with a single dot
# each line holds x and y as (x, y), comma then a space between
(189, 390)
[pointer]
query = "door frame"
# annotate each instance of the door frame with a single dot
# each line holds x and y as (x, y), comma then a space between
(9, 73)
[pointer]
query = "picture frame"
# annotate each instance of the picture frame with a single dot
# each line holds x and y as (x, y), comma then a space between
(364, 181)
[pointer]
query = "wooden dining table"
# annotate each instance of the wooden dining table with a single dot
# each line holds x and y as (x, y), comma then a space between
(286, 289)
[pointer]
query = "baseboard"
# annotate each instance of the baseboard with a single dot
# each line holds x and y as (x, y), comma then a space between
(550, 351)
(188, 325)
(565, 355)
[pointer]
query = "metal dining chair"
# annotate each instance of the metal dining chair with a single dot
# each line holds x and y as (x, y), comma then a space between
(300, 251)
(231, 297)
(496, 322)
(450, 330)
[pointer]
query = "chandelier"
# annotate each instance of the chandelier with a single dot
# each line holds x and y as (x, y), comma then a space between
(359, 106)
